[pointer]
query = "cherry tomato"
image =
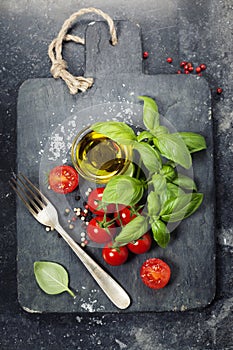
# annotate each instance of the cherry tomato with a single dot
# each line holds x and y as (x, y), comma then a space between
(141, 245)
(95, 199)
(125, 215)
(155, 273)
(99, 234)
(115, 256)
(63, 179)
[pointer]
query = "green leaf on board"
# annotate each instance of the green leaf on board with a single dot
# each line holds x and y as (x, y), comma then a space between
(153, 204)
(133, 230)
(123, 189)
(117, 131)
(150, 113)
(185, 182)
(150, 157)
(195, 142)
(160, 233)
(173, 147)
(177, 209)
(52, 277)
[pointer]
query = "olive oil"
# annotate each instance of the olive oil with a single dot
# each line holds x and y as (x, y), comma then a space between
(98, 158)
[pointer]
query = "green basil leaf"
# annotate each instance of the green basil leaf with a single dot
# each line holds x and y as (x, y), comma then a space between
(51, 277)
(168, 171)
(133, 230)
(159, 183)
(173, 147)
(123, 189)
(160, 233)
(180, 208)
(185, 182)
(144, 135)
(153, 204)
(117, 131)
(160, 130)
(149, 155)
(150, 113)
(176, 203)
(172, 191)
(195, 142)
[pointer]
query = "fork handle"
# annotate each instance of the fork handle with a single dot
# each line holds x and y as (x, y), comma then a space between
(111, 288)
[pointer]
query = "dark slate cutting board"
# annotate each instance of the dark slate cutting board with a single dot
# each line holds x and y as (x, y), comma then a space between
(43, 105)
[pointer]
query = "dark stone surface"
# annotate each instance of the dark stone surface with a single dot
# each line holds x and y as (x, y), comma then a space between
(200, 31)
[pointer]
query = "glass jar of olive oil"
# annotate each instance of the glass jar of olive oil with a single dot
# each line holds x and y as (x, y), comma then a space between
(98, 158)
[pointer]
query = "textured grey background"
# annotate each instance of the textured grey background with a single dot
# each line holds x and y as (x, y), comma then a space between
(200, 31)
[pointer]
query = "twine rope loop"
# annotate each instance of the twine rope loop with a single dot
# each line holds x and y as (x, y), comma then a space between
(59, 65)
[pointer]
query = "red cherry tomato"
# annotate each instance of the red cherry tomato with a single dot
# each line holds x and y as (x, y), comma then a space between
(124, 215)
(155, 273)
(141, 245)
(99, 234)
(95, 199)
(63, 179)
(115, 256)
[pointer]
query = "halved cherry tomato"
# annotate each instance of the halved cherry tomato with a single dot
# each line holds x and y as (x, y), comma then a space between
(155, 273)
(115, 256)
(63, 179)
(95, 199)
(124, 215)
(100, 234)
(141, 245)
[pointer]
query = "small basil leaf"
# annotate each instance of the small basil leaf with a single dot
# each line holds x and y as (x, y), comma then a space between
(51, 277)
(175, 203)
(149, 155)
(195, 142)
(144, 135)
(160, 130)
(117, 131)
(123, 189)
(150, 113)
(185, 182)
(153, 204)
(160, 233)
(159, 183)
(168, 171)
(173, 147)
(133, 230)
(181, 207)
(171, 191)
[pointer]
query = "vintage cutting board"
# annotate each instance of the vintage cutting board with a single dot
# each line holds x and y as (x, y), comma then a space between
(45, 108)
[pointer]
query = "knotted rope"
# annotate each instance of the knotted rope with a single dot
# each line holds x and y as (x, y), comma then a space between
(59, 65)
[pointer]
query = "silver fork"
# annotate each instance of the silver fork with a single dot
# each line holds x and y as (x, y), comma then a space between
(44, 212)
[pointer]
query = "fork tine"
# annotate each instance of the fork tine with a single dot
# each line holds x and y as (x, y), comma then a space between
(35, 188)
(34, 194)
(26, 203)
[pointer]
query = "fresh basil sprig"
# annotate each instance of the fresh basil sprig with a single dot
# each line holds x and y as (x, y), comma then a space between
(171, 196)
